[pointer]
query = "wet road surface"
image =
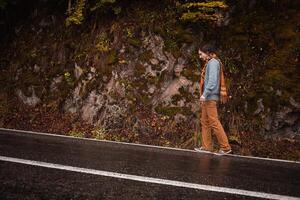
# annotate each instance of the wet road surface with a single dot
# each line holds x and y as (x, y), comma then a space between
(24, 181)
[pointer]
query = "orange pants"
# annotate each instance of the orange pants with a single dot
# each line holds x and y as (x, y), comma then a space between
(210, 122)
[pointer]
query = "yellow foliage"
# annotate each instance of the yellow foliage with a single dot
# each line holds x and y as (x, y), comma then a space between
(103, 43)
(99, 133)
(204, 11)
(75, 133)
(76, 13)
(213, 4)
(195, 16)
(235, 139)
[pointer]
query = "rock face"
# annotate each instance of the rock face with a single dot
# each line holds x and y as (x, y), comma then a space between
(32, 100)
(107, 73)
(285, 123)
(147, 76)
(112, 99)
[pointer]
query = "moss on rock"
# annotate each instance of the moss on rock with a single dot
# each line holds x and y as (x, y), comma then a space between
(146, 56)
(172, 110)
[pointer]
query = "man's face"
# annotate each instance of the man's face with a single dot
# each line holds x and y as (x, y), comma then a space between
(203, 56)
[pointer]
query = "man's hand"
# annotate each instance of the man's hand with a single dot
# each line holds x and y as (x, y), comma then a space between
(202, 98)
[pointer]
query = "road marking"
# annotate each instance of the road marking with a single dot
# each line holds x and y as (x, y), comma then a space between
(149, 179)
(143, 145)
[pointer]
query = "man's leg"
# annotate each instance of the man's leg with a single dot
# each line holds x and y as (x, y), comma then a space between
(216, 125)
(206, 132)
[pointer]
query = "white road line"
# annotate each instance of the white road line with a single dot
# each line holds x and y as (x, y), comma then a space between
(149, 179)
(144, 145)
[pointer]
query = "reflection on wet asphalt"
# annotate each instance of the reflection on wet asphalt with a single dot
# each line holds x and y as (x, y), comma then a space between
(19, 180)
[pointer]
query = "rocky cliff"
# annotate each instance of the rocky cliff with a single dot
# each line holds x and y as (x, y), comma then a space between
(135, 77)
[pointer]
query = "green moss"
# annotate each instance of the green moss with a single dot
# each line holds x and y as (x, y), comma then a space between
(140, 84)
(146, 56)
(64, 90)
(76, 13)
(287, 31)
(130, 96)
(191, 74)
(129, 32)
(99, 133)
(75, 133)
(28, 79)
(54, 70)
(176, 98)
(235, 139)
(112, 57)
(204, 11)
(181, 35)
(154, 80)
(274, 77)
(172, 111)
(69, 78)
(171, 46)
(33, 53)
(127, 84)
(145, 100)
(186, 94)
(4, 107)
(139, 70)
(159, 30)
(157, 67)
(80, 55)
(90, 86)
(212, 4)
(135, 42)
(103, 43)
(114, 95)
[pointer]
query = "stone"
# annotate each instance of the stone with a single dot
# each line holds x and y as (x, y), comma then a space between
(294, 103)
(179, 118)
(278, 93)
(33, 100)
(173, 88)
(105, 78)
(149, 70)
(91, 106)
(154, 61)
(178, 69)
(77, 71)
(93, 69)
(268, 123)
(55, 82)
(151, 89)
(181, 103)
(36, 68)
(260, 107)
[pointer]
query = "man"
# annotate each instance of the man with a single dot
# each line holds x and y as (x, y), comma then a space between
(210, 95)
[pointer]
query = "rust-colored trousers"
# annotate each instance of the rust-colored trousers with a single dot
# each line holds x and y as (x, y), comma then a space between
(210, 122)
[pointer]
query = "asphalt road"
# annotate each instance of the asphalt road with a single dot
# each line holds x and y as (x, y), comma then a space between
(45, 166)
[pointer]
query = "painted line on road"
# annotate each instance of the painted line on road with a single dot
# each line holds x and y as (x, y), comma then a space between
(149, 179)
(144, 145)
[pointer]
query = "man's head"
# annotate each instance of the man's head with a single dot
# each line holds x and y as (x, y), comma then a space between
(207, 52)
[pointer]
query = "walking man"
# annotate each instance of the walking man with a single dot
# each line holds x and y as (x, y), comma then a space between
(210, 86)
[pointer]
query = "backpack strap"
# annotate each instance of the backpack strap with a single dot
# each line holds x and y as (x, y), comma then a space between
(223, 90)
